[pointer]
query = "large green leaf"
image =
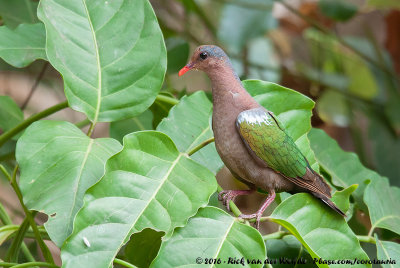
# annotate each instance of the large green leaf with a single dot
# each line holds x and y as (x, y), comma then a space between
(323, 232)
(58, 164)
(111, 54)
(189, 124)
(149, 184)
(16, 12)
(211, 234)
(23, 45)
(389, 252)
(10, 114)
(292, 108)
(383, 204)
(344, 168)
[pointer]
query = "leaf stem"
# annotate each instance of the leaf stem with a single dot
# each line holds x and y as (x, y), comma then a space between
(24, 124)
(366, 239)
(276, 235)
(91, 128)
(201, 145)
(167, 99)
(124, 263)
(83, 123)
(45, 250)
(28, 264)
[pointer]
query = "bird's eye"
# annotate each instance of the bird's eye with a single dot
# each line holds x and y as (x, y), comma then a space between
(203, 55)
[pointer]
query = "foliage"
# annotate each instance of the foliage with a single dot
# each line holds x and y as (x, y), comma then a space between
(148, 202)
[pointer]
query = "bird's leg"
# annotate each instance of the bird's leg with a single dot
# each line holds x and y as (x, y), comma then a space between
(227, 195)
(258, 214)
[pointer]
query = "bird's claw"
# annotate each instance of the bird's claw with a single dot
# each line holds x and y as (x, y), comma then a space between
(226, 196)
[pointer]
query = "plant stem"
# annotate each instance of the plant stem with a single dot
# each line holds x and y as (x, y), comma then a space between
(40, 76)
(28, 264)
(276, 235)
(83, 123)
(91, 128)
(167, 99)
(366, 239)
(12, 254)
(45, 250)
(201, 145)
(124, 263)
(14, 131)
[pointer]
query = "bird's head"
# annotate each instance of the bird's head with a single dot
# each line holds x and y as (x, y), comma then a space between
(206, 58)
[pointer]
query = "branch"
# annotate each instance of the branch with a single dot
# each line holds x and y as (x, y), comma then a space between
(28, 264)
(14, 131)
(40, 76)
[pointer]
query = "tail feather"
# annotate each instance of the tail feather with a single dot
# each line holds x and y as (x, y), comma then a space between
(329, 202)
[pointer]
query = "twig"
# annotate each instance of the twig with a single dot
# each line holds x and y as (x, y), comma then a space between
(200, 146)
(28, 264)
(38, 78)
(276, 235)
(45, 250)
(24, 124)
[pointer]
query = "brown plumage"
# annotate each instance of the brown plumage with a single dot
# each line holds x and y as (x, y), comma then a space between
(236, 114)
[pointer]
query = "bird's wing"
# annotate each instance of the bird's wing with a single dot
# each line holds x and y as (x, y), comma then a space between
(265, 136)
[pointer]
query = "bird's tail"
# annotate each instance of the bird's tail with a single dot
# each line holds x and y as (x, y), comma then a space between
(329, 202)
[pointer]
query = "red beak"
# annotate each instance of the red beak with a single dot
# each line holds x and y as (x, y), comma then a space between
(185, 69)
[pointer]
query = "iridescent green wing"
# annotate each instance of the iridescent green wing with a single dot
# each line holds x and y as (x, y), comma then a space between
(266, 137)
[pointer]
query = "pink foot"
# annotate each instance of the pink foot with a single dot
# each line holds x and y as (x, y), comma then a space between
(259, 213)
(227, 195)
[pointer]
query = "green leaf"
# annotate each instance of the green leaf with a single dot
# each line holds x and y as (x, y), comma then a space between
(333, 108)
(111, 54)
(119, 129)
(58, 164)
(344, 168)
(189, 124)
(253, 22)
(211, 234)
(177, 53)
(149, 184)
(388, 251)
(23, 45)
(338, 10)
(160, 110)
(16, 12)
(383, 204)
(10, 114)
(324, 233)
(341, 198)
(292, 108)
(143, 247)
(288, 248)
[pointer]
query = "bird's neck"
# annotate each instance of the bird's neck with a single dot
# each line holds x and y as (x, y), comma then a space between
(227, 89)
